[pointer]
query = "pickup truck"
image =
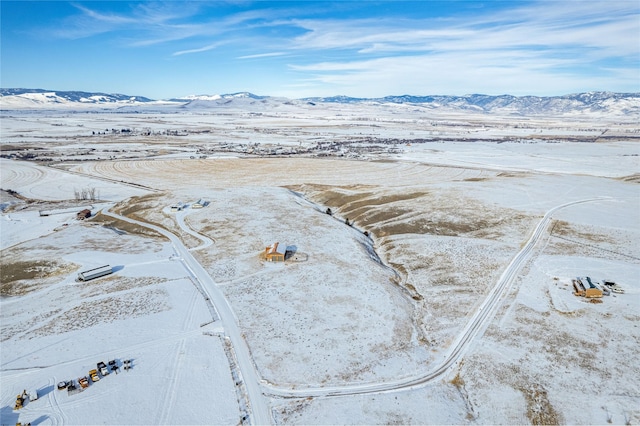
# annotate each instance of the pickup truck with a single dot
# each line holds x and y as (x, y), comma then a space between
(94, 375)
(103, 368)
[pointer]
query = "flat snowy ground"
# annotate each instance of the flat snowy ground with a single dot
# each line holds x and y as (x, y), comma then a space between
(352, 328)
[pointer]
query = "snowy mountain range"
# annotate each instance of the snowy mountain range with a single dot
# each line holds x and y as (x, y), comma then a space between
(589, 102)
(626, 103)
(44, 97)
(226, 97)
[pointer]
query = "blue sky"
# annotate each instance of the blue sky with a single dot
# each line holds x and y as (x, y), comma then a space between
(311, 48)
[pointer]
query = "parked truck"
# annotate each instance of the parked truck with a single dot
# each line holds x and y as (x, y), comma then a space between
(103, 368)
(94, 375)
(72, 389)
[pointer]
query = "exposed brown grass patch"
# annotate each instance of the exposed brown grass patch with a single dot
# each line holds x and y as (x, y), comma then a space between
(378, 200)
(386, 213)
(565, 229)
(337, 198)
(510, 174)
(24, 270)
(122, 225)
(457, 381)
(539, 409)
(31, 204)
(149, 208)
(423, 225)
(135, 205)
(23, 276)
(459, 384)
(634, 178)
(372, 216)
(107, 310)
(115, 283)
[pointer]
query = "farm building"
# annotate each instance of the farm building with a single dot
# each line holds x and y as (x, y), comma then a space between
(177, 207)
(586, 288)
(95, 273)
(199, 204)
(592, 290)
(84, 214)
(275, 252)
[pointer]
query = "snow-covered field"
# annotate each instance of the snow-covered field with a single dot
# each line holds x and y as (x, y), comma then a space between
(441, 302)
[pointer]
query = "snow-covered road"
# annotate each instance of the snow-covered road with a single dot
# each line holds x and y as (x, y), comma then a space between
(478, 322)
(206, 241)
(257, 389)
(259, 407)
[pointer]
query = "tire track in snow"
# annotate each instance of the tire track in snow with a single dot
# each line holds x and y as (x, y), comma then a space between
(170, 389)
(14, 372)
(58, 415)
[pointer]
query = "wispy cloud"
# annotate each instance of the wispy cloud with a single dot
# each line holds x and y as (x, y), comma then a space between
(541, 46)
(550, 24)
(199, 49)
(159, 23)
(106, 18)
(142, 24)
(543, 43)
(438, 74)
(262, 55)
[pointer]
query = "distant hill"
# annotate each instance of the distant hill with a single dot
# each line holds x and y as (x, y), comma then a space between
(618, 103)
(606, 103)
(44, 97)
(223, 98)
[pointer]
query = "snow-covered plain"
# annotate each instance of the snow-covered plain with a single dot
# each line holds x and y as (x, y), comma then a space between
(351, 327)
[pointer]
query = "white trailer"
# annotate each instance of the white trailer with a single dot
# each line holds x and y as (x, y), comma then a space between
(199, 204)
(95, 273)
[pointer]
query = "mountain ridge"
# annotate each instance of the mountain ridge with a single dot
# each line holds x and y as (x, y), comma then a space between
(60, 96)
(596, 101)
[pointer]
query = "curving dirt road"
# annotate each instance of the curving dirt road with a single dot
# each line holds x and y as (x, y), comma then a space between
(258, 389)
(477, 323)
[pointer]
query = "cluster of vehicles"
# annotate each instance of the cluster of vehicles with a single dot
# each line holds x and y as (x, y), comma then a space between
(101, 371)
(613, 286)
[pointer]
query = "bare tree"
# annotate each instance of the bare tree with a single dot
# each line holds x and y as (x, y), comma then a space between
(92, 193)
(86, 194)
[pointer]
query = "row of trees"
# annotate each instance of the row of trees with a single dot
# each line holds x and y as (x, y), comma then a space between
(86, 194)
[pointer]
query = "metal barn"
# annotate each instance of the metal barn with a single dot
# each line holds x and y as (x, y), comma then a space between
(95, 273)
